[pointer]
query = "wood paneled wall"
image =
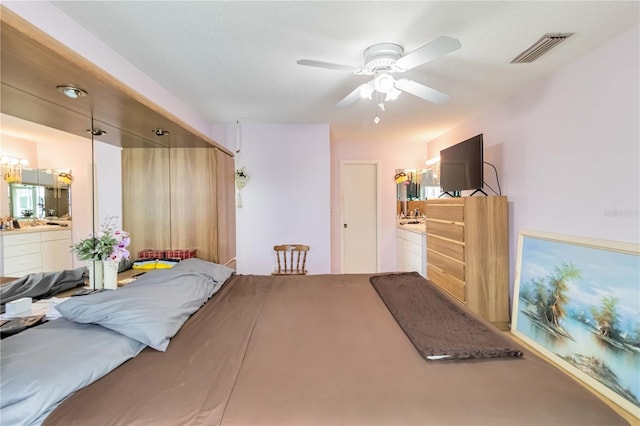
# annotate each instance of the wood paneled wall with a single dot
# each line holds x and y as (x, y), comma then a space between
(194, 213)
(180, 198)
(145, 198)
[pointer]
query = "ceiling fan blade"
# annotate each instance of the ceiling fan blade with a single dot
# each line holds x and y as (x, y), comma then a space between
(328, 65)
(422, 91)
(432, 50)
(351, 97)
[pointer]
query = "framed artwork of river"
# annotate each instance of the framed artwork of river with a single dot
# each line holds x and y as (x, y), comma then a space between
(577, 301)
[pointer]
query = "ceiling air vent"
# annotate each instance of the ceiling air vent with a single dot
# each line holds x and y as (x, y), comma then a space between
(540, 47)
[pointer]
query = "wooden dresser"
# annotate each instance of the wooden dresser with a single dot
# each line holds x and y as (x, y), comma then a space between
(468, 254)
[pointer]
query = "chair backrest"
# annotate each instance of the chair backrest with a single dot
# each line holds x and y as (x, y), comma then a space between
(291, 259)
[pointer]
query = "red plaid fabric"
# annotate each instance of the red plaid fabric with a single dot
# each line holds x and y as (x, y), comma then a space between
(151, 254)
(181, 254)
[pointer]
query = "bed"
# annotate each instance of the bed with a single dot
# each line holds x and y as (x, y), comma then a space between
(279, 350)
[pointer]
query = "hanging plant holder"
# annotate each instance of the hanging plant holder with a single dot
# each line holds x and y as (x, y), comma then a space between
(242, 178)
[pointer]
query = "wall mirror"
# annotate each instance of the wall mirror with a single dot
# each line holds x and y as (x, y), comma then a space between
(43, 193)
(123, 142)
(418, 184)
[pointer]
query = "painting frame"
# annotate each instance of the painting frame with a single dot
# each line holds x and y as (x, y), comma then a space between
(567, 305)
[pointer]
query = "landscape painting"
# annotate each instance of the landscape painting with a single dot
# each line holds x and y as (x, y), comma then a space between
(578, 302)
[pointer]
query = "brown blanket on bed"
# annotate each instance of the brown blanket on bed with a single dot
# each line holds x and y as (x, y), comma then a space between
(320, 350)
(437, 326)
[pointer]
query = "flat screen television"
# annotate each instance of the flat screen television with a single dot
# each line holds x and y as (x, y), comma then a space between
(461, 166)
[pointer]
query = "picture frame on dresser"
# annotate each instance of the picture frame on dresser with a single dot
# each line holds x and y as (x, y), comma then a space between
(577, 301)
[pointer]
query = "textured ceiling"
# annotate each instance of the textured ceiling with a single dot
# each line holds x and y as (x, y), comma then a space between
(236, 60)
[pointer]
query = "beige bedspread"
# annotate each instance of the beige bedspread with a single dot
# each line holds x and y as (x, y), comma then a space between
(324, 351)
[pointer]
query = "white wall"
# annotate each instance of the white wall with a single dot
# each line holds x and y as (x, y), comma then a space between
(569, 148)
(108, 184)
(74, 154)
(287, 200)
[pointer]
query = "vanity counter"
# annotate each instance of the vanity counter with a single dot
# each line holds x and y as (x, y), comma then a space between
(418, 228)
(64, 226)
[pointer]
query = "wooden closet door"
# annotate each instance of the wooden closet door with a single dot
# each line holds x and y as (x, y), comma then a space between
(193, 201)
(145, 198)
(226, 198)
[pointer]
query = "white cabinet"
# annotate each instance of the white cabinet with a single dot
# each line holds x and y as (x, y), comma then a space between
(412, 251)
(30, 252)
(56, 250)
(21, 254)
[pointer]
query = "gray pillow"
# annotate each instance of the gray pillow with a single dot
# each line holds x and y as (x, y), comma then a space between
(43, 365)
(151, 310)
(219, 273)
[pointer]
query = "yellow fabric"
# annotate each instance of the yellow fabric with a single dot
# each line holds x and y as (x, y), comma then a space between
(163, 265)
(153, 264)
(150, 264)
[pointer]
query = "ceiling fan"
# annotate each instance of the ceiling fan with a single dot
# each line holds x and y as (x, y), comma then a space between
(384, 59)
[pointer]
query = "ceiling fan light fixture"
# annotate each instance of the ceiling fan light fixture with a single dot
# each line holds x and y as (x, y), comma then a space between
(383, 82)
(392, 95)
(381, 56)
(72, 91)
(366, 90)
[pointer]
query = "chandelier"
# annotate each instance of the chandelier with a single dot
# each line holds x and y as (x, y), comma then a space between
(12, 168)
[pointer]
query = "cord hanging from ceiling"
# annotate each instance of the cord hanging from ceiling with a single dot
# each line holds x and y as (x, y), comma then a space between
(241, 175)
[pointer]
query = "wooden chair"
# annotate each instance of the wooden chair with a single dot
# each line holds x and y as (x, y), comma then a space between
(291, 259)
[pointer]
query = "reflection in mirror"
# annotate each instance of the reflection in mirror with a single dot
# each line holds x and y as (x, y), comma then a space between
(23, 199)
(47, 149)
(43, 193)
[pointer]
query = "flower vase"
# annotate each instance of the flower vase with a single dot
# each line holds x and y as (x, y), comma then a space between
(96, 275)
(110, 275)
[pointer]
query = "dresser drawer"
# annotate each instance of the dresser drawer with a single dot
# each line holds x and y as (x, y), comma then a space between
(452, 231)
(21, 250)
(18, 239)
(21, 274)
(13, 265)
(447, 247)
(56, 235)
(446, 282)
(446, 264)
(450, 212)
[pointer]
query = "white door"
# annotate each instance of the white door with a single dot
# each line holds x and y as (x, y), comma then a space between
(360, 211)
